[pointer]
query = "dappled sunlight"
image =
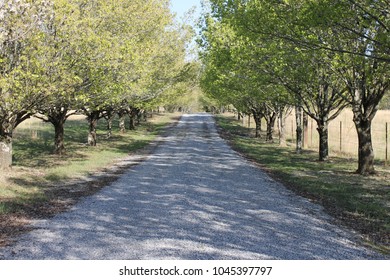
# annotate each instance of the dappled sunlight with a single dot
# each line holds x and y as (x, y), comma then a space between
(192, 199)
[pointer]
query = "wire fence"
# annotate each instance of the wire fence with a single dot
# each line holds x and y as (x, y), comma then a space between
(343, 139)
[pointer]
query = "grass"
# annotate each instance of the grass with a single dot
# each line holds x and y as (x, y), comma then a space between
(36, 170)
(361, 203)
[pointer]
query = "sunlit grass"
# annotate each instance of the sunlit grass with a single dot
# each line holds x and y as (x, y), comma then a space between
(36, 167)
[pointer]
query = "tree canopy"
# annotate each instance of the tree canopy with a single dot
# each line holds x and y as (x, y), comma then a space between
(97, 57)
(327, 54)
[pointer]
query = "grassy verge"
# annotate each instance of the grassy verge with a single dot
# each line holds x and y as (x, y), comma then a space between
(41, 184)
(361, 203)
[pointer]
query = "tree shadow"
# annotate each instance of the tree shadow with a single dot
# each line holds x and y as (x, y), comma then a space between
(192, 199)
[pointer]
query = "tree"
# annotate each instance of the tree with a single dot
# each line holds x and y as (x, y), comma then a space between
(234, 71)
(358, 34)
(91, 56)
(151, 57)
(351, 36)
(317, 89)
(60, 55)
(21, 24)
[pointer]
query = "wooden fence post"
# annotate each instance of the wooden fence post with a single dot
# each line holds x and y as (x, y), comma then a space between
(292, 130)
(387, 145)
(311, 133)
(341, 136)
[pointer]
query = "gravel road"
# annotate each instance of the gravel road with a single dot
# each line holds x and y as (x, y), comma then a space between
(193, 198)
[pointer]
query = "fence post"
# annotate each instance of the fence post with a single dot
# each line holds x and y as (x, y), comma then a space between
(305, 130)
(387, 145)
(292, 130)
(311, 133)
(341, 136)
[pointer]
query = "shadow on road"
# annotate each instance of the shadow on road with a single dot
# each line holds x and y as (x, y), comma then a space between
(194, 198)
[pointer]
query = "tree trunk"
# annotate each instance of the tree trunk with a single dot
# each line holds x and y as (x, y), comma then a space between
(92, 135)
(366, 151)
(298, 118)
(138, 116)
(282, 128)
(59, 146)
(7, 127)
(305, 122)
(132, 116)
(324, 143)
(145, 115)
(365, 99)
(271, 118)
(57, 118)
(122, 124)
(257, 118)
(109, 127)
(109, 117)
(5, 152)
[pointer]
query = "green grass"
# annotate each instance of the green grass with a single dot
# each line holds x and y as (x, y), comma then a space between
(36, 167)
(362, 203)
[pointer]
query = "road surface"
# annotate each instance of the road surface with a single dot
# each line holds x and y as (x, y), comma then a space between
(193, 198)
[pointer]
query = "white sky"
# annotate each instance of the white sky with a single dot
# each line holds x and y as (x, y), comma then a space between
(182, 6)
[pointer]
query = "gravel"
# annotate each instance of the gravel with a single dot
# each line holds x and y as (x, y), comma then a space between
(193, 198)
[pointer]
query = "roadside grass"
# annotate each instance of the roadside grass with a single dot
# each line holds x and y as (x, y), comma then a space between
(36, 170)
(361, 203)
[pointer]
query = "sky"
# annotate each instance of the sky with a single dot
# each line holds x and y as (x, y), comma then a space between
(182, 6)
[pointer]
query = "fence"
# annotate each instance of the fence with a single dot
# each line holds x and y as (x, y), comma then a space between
(343, 139)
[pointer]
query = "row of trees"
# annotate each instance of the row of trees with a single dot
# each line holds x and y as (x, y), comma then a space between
(97, 57)
(267, 56)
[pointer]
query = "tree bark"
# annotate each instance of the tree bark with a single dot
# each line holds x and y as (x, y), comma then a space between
(298, 118)
(145, 115)
(5, 152)
(92, 135)
(305, 121)
(109, 127)
(271, 119)
(257, 116)
(258, 125)
(132, 116)
(8, 123)
(366, 151)
(138, 116)
(109, 117)
(282, 126)
(365, 99)
(57, 118)
(59, 146)
(122, 123)
(323, 138)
